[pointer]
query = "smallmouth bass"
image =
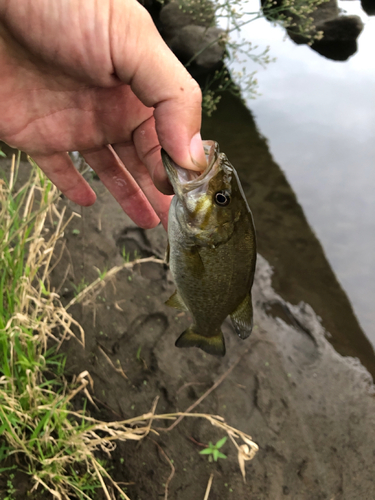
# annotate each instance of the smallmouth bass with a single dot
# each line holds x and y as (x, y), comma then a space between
(212, 250)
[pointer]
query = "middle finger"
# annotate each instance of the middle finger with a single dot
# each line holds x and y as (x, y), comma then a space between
(160, 202)
(121, 184)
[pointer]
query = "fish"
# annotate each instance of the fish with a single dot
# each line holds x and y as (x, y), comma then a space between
(212, 250)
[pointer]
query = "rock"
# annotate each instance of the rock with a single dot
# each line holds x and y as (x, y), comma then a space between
(206, 42)
(343, 28)
(369, 7)
(340, 35)
(325, 11)
(173, 18)
(190, 31)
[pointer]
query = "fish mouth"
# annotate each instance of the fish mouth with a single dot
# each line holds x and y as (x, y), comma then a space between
(184, 180)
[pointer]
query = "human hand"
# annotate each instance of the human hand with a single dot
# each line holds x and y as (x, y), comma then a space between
(97, 77)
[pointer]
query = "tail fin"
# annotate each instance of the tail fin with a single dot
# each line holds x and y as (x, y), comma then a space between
(212, 345)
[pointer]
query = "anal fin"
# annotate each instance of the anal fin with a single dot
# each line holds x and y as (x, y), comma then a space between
(242, 318)
(212, 345)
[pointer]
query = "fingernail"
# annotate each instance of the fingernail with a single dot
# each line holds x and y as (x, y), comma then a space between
(197, 152)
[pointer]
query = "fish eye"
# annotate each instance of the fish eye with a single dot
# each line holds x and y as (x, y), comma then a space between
(222, 198)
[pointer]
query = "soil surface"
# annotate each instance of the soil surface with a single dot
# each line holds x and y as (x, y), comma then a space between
(310, 410)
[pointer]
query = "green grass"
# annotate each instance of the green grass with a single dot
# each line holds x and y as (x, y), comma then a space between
(81, 286)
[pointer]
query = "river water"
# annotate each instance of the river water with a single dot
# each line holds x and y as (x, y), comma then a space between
(318, 116)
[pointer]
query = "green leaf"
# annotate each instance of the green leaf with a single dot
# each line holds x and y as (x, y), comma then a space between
(4, 451)
(38, 429)
(206, 451)
(222, 441)
(8, 468)
(43, 288)
(221, 455)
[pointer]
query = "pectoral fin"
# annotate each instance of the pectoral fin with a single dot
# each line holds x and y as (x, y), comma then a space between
(175, 300)
(242, 318)
(196, 266)
(212, 345)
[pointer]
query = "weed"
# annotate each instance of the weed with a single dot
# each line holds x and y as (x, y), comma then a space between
(11, 490)
(81, 286)
(102, 274)
(213, 450)
(125, 255)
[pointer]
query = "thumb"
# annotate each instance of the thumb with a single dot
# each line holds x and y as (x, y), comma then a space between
(142, 59)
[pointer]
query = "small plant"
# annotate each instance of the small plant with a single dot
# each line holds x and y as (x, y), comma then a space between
(81, 286)
(213, 450)
(102, 274)
(11, 490)
(125, 255)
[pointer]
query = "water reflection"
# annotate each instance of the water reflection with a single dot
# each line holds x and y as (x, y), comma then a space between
(319, 118)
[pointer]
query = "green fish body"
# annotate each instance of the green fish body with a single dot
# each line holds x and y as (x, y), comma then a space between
(212, 250)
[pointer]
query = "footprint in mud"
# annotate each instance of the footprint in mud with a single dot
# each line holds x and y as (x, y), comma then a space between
(133, 241)
(145, 330)
(273, 408)
(306, 344)
(135, 349)
(154, 271)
